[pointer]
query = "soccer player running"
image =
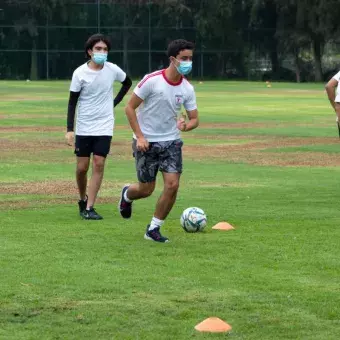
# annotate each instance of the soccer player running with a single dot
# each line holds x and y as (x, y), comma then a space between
(92, 90)
(333, 93)
(157, 146)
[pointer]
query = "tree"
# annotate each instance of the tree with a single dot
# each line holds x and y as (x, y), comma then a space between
(313, 21)
(31, 14)
(264, 22)
(214, 22)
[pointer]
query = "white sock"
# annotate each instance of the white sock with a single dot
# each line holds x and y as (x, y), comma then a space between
(155, 223)
(126, 198)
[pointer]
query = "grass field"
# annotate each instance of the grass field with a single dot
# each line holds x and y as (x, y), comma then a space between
(264, 159)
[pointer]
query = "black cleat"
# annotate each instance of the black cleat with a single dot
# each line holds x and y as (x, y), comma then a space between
(155, 235)
(82, 205)
(125, 208)
(91, 215)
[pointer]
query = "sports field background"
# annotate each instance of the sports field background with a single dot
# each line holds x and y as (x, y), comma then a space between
(264, 159)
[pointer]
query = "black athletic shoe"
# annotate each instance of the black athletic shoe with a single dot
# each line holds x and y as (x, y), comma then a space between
(155, 235)
(125, 208)
(91, 215)
(82, 205)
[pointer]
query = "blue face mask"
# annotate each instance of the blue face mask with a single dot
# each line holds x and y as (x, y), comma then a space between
(184, 67)
(99, 58)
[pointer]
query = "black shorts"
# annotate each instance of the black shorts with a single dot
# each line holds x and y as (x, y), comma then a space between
(161, 156)
(98, 145)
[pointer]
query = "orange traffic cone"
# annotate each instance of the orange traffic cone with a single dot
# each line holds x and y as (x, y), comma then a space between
(223, 226)
(213, 325)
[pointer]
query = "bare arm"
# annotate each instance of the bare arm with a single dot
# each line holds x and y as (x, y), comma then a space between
(330, 89)
(193, 120)
(130, 111)
(191, 124)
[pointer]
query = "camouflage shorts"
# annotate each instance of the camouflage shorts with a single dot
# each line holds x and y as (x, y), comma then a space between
(162, 156)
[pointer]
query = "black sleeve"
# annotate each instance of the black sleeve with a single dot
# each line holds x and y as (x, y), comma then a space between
(126, 84)
(71, 112)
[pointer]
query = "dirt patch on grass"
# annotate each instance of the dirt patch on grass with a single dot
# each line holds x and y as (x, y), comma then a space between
(40, 188)
(62, 130)
(251, 152)
(20, 97)
(14, 205)
(235, 125)
(29, 116)
(52, 187)
(53, 192)
(19, 129)
(34, 146)
(201, 184)
(261, 144)
(255, 125)
(319, 159)
(37, 147)
(48, 201)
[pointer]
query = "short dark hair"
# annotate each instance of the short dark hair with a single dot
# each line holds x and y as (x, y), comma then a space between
(94, 39)
(176, 46)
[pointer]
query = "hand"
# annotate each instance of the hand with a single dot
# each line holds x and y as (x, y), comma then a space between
(142, 144)
(181, 125)
(70, 138)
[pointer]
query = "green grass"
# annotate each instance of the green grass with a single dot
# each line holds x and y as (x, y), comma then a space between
(276, 276)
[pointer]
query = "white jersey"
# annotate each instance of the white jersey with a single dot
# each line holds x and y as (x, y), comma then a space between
(157, 115)
(95, 113)
(337, 78)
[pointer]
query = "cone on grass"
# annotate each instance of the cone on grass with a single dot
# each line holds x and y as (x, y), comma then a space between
(213, 325)
(223, 226)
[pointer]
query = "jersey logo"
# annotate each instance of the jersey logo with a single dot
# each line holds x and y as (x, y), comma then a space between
(179, 99)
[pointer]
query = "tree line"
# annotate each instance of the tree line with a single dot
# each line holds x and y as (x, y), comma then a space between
(294, 40)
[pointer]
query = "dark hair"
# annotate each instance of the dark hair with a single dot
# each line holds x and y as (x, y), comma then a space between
(176, 46)
(94, 39)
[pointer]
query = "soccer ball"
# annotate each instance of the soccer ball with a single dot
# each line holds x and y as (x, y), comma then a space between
(193, 219)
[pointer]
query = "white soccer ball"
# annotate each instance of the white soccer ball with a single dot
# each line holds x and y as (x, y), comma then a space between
(193, 220)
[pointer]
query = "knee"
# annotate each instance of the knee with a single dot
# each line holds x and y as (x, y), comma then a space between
(98, 164)
(172, 186)
(147, 190)
(82, 169)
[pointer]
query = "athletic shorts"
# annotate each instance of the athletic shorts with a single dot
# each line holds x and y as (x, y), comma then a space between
(162, 156)
(96, 145)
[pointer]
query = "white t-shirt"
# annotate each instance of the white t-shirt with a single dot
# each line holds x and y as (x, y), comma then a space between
(337, 78)
(157, 115)
(95, 105)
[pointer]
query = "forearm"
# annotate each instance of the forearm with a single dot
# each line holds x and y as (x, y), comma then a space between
(132, 118)
(192, 124)
(331, 96)
(126, 84)
(71, 110)
(337, 109)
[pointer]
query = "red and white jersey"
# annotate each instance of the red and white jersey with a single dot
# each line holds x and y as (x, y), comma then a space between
(163, 99)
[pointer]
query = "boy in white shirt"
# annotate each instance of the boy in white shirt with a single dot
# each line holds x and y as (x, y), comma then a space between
(157, 146)
(333, 93)
(91, 92)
